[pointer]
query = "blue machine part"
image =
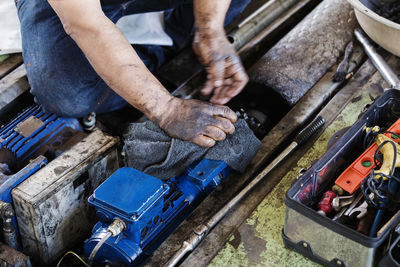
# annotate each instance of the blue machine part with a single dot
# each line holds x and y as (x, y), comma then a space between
(150, 208)
(33, 130)
(8, 182)
(25, 143)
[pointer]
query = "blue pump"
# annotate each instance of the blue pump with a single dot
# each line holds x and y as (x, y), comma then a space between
(150, 208)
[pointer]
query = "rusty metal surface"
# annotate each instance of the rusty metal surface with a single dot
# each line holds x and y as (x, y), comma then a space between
(256, 47)
(9, 64)
(11, 257)
(29, 126)
(304, 55)
(260, 19)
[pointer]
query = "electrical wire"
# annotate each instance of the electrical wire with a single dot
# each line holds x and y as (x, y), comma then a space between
(97, 247)
(369, 138)
(74, 254)
(378, 186)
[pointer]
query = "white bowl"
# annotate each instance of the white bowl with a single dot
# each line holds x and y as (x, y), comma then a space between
(384, 32)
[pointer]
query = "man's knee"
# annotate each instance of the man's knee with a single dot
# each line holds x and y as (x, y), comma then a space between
(65, 106)
(57, 96)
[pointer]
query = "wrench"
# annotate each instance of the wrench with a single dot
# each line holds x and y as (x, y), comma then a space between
(354, 204)
(345, 211)
(338, 203)
(362, 209)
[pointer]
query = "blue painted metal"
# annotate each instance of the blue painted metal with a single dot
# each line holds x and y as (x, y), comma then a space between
(24, 147)
(8, 182)
(150, 208)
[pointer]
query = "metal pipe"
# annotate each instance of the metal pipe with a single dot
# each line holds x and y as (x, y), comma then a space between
(9, 232)
(202, 230)
(257, 21)
(380, 64)
(275, 27)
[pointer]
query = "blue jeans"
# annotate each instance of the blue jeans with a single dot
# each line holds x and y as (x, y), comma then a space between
(61, 78)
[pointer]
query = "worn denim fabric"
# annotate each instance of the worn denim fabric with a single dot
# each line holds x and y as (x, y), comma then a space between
(62, 79)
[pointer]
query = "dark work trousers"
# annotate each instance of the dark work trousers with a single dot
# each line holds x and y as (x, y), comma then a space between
(62, 79)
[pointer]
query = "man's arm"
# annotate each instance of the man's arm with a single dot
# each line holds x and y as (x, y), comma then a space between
(226, 75)
(119, 66)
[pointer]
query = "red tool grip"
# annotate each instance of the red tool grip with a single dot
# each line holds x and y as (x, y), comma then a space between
(325, 205)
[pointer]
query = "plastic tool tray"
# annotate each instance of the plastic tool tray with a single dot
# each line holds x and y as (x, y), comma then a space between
(318, 236)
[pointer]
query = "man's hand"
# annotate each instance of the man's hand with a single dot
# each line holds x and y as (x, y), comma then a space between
(199, 122)
(119, 66)
(226, 75)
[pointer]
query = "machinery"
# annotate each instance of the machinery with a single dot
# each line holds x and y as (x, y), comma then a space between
(27, 143)
(134, 222)
(51, 166)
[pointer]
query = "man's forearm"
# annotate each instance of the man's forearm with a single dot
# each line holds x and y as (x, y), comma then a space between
(117, 63)
(210, 14)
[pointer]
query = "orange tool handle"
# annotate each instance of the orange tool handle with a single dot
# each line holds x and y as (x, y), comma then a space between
(350, 180)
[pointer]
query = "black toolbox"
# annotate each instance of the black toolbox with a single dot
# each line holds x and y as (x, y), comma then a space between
(392, 257)
(319, 237)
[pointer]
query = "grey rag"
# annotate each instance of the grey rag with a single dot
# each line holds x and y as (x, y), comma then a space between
(149, 149)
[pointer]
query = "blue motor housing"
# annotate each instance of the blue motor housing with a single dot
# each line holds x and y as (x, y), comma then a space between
(151, 209)
(27, 143)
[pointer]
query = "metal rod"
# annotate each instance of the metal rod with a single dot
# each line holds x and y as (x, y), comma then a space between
(202, 230)
(274, 27)
(258, 21)
(380, 64)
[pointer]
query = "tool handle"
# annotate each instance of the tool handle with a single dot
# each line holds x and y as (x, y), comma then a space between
(311, 129)
(380, 64)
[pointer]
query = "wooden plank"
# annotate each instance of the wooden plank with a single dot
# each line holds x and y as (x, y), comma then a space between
(3, 57)
(8, 63)
(13, 85)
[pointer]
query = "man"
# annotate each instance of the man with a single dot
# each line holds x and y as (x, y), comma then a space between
(78, 62)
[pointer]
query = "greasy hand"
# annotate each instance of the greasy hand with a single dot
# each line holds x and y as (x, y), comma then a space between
(196, 121)
(226, 75)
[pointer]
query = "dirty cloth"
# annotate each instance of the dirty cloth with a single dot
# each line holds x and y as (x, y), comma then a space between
(149, 149)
